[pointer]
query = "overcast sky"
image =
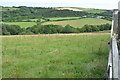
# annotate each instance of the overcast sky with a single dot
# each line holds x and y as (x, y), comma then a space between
(101, 4)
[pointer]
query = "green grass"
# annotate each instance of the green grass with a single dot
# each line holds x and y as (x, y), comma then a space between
(21, 24)
(33, 20)
(80, 23)
(63, 18)
(73, 56)
(96, 11)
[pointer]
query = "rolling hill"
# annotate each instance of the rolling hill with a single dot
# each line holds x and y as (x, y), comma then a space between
(80, 22)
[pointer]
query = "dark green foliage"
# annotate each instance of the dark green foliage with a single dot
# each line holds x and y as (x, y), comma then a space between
(51, 29)
(11, 29)
(45, 29)
(69, 29)
(94, 28)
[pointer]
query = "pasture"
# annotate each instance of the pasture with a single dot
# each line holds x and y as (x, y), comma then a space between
(62, 18)
(55, 56)
(80, 22)
(96, 11)
(21, 24)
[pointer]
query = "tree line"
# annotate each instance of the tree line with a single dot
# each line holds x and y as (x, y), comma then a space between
(51, 29)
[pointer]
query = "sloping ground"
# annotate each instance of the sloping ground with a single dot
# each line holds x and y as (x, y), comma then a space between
(80, 22)
(68, 8)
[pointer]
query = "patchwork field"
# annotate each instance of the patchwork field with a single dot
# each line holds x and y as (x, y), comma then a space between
(80, 23)
(55, 56)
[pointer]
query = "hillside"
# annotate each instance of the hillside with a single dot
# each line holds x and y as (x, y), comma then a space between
(17, 14)
(80, 22)
(89, 10)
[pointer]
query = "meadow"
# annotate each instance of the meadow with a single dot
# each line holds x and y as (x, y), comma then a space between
(21, 24)
(62, 18)
(80, 22)
(55, 56)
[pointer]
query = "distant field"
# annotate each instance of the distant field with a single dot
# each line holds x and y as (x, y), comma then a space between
(68, 8)
(63, 18)
(54, 56)
(54, 19)
(96, 11)
(21, 24)
(89, 10)
(80, 23)
(33, 20)
(83, 9)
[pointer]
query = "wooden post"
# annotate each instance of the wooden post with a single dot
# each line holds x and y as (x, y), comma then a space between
(115, 58)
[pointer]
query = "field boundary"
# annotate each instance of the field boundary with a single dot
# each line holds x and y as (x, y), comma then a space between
(55, 34)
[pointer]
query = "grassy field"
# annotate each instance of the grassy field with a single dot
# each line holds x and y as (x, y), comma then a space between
(21, 24)
(96, 11)
(54, 19)
(55, 56)
(80, 23)
(63, 18)
(34, 20)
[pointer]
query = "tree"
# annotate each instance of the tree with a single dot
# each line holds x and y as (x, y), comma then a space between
(69, 29)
